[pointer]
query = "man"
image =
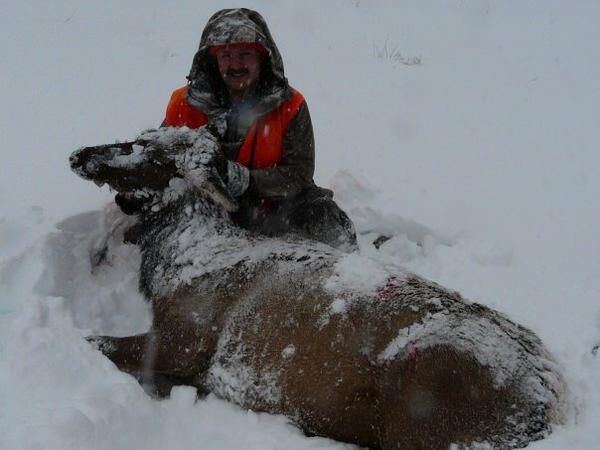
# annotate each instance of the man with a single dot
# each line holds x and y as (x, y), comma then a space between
(237, 88)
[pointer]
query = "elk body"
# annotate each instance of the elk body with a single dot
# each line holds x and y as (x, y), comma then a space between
(347, 349)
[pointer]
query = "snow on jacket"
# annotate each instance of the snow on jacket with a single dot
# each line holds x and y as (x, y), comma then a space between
(281, 154)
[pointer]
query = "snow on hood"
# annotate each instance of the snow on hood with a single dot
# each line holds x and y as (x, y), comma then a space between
(229, 26)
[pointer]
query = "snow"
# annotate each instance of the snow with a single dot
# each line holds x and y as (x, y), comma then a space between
(491, 350)
(358, 274)
(481, 161)
(289, 351)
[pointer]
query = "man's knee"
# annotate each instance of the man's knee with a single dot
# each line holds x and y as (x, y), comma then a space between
(317, 216)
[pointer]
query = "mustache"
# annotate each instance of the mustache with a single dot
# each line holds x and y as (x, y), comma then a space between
(234, 72)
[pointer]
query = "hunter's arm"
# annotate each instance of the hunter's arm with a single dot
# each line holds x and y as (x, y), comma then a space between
(297, 166)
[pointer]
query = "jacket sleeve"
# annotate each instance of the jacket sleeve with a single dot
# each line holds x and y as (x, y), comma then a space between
(297, 166)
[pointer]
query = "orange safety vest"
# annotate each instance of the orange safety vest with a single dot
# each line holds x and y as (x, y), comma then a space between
(262, 147)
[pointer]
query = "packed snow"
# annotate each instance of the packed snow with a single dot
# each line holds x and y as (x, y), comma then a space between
(465, 131)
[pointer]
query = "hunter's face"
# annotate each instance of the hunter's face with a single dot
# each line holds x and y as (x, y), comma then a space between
(239, 67)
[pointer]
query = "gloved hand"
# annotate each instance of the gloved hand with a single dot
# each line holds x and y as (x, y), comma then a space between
(237, 179)
(235, 176)
(195, 150)
(219, 162)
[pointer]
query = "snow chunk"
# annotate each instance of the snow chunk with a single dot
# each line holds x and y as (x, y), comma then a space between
(338, 306)
(288, 352)
(358, 274)
(411, 334)
(183, 396)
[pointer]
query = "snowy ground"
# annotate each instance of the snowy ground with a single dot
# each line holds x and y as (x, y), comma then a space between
(470, 127)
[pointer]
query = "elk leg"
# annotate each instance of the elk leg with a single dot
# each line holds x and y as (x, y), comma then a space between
(153, 360)
(130, 354)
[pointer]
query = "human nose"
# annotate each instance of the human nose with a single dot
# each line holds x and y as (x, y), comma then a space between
(236, 63)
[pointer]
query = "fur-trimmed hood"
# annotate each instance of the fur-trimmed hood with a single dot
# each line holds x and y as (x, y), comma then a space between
(227, 26)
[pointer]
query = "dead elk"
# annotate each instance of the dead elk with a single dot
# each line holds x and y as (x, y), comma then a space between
(290, 326)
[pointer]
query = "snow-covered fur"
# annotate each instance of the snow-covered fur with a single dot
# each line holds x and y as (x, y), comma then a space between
(345, 347)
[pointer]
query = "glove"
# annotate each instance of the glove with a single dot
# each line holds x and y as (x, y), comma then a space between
(219, 162)
(235, 176)
(237, 179)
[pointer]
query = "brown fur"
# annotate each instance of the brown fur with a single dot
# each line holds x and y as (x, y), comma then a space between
(333, 385)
